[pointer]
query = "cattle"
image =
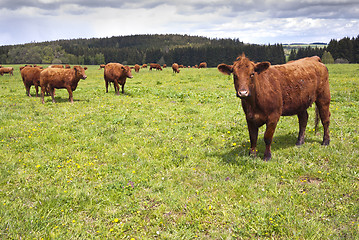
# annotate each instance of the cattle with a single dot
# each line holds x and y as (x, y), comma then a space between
(155, 66)
(51, 78)
(202, 65)
(144, 66)
(102, 66)
(117, 74)
(31, 76)
(164, 66)
(67, 66)
(175, 68)
(137, 68)
(268, 92)
(5, 70)
(56, 66)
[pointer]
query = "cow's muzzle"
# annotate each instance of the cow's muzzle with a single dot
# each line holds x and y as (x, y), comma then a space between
(243, 94)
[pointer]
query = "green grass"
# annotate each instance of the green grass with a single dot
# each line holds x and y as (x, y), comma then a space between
(168, 160)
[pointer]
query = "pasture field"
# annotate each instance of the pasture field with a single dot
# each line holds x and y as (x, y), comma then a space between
(169, 160)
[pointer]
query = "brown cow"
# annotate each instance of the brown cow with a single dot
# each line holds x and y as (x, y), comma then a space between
(137, 68)
(144, 65)
(31, 76)
(175, 68)
(268, 92)
(5, 70)
(202, 65)
(56, 66)
(51, 78)
(67, 66)
(156, 66)
(116, 73)
(102, 66)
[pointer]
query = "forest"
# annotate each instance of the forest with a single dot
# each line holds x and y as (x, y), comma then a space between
(166, 49)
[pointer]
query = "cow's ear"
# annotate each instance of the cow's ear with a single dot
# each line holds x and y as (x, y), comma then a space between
(262, 66)
(225, 69)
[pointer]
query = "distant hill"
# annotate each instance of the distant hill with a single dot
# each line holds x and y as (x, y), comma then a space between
(159, 48)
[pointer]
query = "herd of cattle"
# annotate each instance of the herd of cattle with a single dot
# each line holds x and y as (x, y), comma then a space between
(266, 92)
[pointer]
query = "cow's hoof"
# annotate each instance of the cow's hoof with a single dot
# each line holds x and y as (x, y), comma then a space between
(326, 142)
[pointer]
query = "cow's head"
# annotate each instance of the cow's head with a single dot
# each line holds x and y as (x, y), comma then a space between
(127, 71)
(80, 72)
(244, 74)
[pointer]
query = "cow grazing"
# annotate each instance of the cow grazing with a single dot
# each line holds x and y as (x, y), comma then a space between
(102, 66)
(155, 66)
(56, 66)
(268, 92)
(31, 76)
(144, 66)
(175, 68)
(137, 68)
(51, 78)
(67, 66)
(117, 73)
(7, 70)
(202, 65)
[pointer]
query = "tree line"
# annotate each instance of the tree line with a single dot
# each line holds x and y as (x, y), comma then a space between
(345, 50)
(167, 49)
(140, 49)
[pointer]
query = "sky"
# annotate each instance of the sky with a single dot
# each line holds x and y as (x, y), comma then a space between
(251, 21)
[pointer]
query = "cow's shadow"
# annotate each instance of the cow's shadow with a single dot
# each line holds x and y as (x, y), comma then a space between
(280, 142)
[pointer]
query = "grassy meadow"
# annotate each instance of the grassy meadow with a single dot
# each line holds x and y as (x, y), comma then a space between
(169, 160)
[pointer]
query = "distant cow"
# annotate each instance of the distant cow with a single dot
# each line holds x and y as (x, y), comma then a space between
(155, 66)
(202, 65)
(5, 70)
(175, 68)
(102, 66)
(137, 68)
(117, 74)
(31, 76)
(268, 92)
(51, 78)
(56, 66)
(67, 66)
(144, 66)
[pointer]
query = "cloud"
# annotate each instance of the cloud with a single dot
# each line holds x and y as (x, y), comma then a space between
(254, 21)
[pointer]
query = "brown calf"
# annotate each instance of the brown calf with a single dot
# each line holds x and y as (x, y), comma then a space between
(51, 78)
(268, 92)
(116, 73)
(5, 70)
(175, 68)
(31, 76)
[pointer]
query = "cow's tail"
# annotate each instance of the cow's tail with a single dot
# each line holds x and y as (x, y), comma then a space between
(316, 118)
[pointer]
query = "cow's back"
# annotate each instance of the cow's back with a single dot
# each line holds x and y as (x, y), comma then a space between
(301, 82)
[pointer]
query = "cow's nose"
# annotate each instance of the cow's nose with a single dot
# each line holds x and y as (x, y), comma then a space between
(243, 93)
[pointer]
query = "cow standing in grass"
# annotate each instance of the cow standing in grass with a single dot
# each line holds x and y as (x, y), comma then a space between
(117, 74)
(7, 70)
(31, 76)
(51, 78)
(175, 68)
(268, 92)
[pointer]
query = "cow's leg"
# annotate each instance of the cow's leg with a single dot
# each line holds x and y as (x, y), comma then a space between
(123, 88)
(71, 99)
(52, 93)
(303, 120)
(106, 82)
(117, 87)
(43, 89)
(324, 114)
(37, 90)
(28, 90)
(268, 137)
(253, 136)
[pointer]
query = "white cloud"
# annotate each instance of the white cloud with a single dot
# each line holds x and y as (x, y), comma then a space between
(252, 21)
